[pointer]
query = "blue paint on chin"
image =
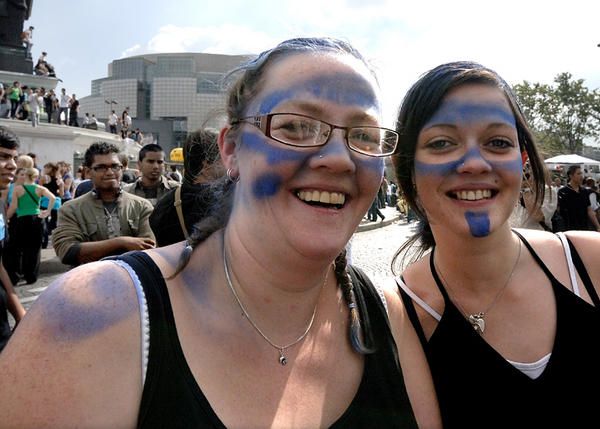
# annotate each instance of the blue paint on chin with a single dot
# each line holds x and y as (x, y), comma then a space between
(266, 185)
(346, 89)
(479, 223)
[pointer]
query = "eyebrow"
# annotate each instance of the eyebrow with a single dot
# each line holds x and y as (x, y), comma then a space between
(455, 126)
(312, 109)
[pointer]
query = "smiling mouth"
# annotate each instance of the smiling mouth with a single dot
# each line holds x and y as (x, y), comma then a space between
(473, 194)
(322, 198)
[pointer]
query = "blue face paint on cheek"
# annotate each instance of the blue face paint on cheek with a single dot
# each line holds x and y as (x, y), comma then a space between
(479, 223)
(347, 89)
(512, 166)
(266, 185)
(274, 152)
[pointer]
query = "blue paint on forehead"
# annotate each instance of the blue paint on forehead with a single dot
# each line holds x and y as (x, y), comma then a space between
(458, 112)
(443, 169)
(341, 88)
(479, 223)
(266, 185)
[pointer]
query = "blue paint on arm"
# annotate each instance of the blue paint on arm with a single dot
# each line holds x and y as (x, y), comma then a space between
(85, 302)
(479, 223)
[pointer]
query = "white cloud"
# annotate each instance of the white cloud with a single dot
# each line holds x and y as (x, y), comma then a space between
(134, 50)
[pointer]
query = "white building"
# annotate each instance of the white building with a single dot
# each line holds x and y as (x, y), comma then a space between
(167, 95)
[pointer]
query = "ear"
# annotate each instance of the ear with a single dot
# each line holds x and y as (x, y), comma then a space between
(228, 149)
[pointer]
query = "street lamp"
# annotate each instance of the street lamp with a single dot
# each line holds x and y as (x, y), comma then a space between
(111, 102)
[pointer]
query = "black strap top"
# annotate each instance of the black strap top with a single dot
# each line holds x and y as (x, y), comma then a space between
(172, 398)
(476, 386)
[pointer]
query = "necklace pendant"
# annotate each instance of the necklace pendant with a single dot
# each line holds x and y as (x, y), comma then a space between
(477, 322)
(282, 358)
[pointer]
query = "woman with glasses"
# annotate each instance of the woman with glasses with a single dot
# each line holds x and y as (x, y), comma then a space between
(257, 320)
(509, 319)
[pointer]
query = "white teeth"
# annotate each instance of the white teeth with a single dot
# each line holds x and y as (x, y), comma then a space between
(324, 197)
(475, 195)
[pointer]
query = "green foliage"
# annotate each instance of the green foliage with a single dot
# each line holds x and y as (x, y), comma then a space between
(561, 115)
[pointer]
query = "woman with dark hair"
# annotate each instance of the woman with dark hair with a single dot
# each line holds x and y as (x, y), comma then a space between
(256, 320)
(509, 319)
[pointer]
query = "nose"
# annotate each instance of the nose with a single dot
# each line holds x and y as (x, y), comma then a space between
(336, 154)
(473, 162)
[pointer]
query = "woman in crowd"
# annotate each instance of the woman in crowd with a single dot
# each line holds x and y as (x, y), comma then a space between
(509, 319)
(257, 321)
(26, 204)
(53, 181)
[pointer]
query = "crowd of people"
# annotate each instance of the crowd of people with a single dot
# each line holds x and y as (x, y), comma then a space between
(228, 300)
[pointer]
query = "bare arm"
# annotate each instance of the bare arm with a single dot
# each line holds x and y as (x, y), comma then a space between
(14, 305)
(415, 368)
(593, 219)
(14, 204)
(42, 191)
(96, 250)
(76, 355)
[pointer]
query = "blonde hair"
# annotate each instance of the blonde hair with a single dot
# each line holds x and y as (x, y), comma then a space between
(32, 173)
(25, 161)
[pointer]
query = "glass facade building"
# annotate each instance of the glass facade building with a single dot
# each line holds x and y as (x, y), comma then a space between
(184, 89)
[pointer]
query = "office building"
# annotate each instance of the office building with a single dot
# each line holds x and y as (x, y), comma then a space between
(167, 95)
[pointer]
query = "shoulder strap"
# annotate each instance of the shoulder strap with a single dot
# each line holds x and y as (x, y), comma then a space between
(410, 309)
(35, 200)
(179, 210)
(585, 277)
(567, 250)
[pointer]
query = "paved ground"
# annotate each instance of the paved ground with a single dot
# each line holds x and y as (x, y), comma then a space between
(373, 247)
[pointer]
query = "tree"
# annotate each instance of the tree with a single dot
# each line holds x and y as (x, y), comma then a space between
(561, 115)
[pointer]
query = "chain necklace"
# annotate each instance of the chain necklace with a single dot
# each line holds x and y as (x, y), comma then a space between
(477, 320)
(280, 349)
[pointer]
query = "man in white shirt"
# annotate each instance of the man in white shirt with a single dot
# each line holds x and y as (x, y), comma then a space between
(112, 122)
(63, 107)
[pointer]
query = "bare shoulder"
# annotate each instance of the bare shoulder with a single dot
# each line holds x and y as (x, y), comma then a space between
(417, 376)
(587, 244)
(79, 345)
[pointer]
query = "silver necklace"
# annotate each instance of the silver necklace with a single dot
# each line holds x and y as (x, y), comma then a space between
(280, 349)
(477, 320)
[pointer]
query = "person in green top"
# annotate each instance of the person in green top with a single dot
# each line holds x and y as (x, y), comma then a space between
(29, 229)
(14, 96)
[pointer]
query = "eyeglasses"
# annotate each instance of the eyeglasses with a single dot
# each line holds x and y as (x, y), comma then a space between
(103, 168)
(303, 131)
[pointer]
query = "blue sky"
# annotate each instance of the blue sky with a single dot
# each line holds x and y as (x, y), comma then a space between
(520, 39)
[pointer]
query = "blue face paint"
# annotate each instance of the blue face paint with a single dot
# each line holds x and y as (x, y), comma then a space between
(346, 89)
(479, 223)
(67, 319)
(274, 152)
(457, 112)
(266, 185)
(446, 168)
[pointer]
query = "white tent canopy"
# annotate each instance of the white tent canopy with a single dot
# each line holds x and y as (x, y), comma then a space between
(571, 159)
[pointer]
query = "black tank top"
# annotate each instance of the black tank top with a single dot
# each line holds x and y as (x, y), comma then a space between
(477, 387)
(172, 398)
